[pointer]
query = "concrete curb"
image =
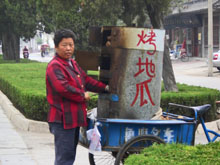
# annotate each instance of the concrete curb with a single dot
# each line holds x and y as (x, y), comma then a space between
(18, 119)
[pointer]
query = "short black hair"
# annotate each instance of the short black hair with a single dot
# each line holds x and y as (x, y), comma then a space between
(63, 33)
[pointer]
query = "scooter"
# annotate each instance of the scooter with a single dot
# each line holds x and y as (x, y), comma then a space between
(25, 54)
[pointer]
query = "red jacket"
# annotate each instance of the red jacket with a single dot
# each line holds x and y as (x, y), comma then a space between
(66, 86)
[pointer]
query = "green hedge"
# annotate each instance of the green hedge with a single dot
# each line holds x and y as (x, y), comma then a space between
(192, 96)
(24, 84)
(172, 154)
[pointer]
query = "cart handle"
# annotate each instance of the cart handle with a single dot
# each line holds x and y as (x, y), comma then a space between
(198, 110)
(182, 106)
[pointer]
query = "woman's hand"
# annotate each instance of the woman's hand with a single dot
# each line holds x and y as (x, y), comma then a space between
(87, 97)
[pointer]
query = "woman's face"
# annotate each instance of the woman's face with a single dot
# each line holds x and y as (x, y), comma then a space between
(65, 48)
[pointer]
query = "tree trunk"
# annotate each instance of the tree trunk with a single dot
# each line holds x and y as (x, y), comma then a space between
(167, 73)
(11, 46)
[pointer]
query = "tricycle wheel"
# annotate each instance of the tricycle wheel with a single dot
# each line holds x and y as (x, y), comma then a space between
(184, 57)
(102, 158)
(135, 145)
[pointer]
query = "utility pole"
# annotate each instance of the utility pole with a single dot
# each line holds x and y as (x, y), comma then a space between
(210, 39)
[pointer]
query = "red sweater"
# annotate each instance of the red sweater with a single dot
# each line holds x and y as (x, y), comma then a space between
(66, 86)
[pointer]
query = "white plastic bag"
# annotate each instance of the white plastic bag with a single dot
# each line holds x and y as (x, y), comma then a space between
(94, 137)
(92, 114)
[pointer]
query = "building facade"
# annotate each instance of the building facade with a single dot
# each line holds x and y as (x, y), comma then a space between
(190, 23)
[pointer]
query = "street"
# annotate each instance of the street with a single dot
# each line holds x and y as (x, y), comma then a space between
(195, 72)
(37, 56)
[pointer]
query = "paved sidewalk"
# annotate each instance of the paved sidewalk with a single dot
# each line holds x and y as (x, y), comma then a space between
(13, 150)
(27, 142)
(195, 72)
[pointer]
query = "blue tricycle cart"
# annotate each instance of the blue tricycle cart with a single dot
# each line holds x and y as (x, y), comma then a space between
(122, 137)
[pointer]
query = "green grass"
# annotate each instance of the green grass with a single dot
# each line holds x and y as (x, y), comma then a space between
(92, 72)
(24, 84)
(26, 81)
(13, 61)
(29, 77)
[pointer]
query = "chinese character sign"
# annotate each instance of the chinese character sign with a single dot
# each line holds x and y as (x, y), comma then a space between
(145, 65)
(138, 38)
(136, 71)
(148, 39)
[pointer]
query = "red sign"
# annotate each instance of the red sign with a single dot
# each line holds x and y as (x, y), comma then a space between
(148, 66)
(144, 38)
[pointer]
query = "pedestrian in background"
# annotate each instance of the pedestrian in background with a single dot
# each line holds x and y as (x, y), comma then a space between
(67, 85)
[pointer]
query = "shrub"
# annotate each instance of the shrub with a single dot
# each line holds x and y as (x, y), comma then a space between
(24, 84)
(192, 96)
(172, 154)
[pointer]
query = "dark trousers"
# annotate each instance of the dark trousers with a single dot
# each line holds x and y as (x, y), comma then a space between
(65, 141)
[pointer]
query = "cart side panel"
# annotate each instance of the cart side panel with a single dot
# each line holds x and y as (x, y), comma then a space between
(115, 134)
(187, 134)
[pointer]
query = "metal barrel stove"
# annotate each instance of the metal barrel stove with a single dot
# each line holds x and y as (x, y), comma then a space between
(131, 63)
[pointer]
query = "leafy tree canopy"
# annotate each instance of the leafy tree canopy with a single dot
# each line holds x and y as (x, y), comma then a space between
(18, 19)
(18, 16)
(78, 16)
